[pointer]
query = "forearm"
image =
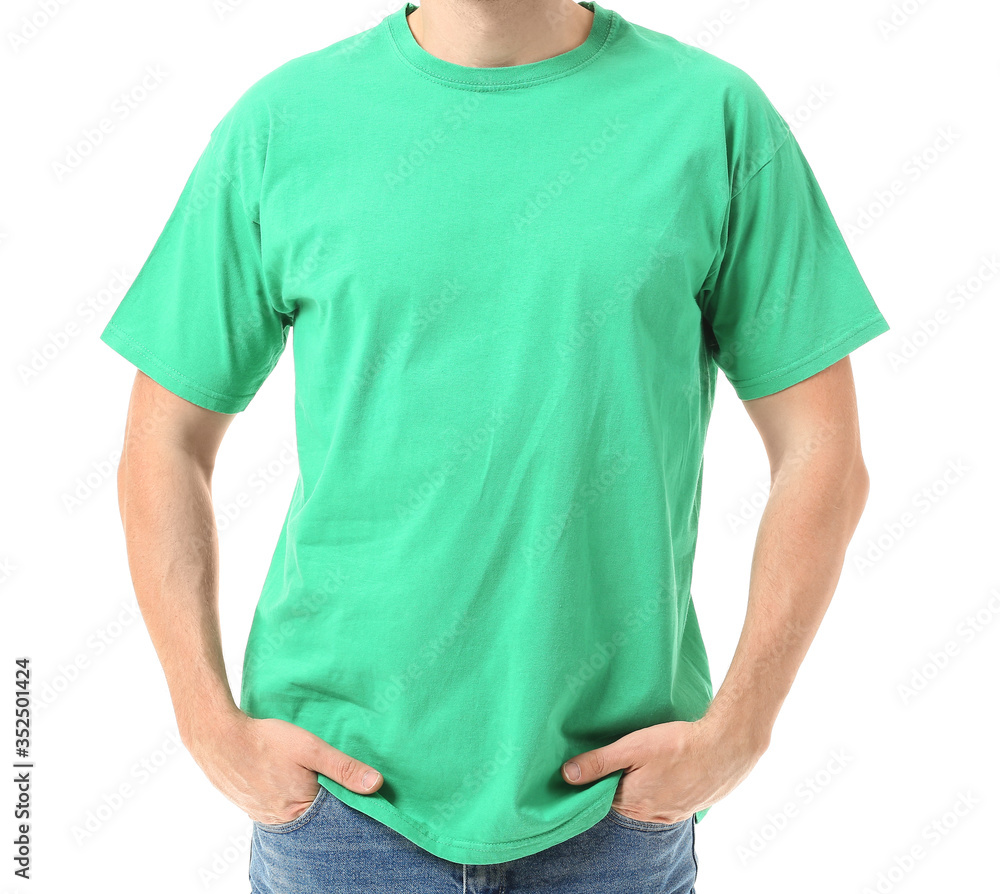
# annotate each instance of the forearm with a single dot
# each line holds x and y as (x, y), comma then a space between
(811, 513)
(172, 542)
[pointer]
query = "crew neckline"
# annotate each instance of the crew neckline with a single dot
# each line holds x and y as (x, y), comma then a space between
(503, 76)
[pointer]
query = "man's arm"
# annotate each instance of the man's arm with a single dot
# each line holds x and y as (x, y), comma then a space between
(266, 766)
(165, 501)
(819, 486)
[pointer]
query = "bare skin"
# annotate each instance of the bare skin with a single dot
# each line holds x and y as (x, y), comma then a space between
(267, 767)
(819, 487)
(493, 33)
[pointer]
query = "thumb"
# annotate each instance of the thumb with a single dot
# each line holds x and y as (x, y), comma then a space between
(594, 764)
(350, 773)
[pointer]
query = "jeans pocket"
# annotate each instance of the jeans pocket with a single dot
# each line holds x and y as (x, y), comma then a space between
(644, 825)
(301, 819)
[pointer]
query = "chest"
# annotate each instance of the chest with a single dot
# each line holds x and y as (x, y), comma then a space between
(542, 221)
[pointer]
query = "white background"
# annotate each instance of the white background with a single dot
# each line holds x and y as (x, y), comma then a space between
(64, 583)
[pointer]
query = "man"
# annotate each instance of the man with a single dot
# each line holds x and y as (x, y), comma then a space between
(515, 241)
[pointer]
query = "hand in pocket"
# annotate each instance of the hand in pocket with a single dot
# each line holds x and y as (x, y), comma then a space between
(268, 767)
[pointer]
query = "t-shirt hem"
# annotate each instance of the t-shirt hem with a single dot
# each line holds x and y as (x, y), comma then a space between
(771, 382)
(473, 853)
(171, 379)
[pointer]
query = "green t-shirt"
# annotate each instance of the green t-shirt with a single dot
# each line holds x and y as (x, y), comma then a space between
(510, 290)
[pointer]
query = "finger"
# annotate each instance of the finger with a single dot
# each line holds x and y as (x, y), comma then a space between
(594, 764)
(351, 773)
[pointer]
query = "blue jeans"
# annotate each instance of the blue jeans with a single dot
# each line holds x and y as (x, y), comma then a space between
(333, 848)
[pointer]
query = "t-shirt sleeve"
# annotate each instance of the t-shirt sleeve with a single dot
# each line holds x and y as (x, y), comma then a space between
(784, 298)
(200, 317)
